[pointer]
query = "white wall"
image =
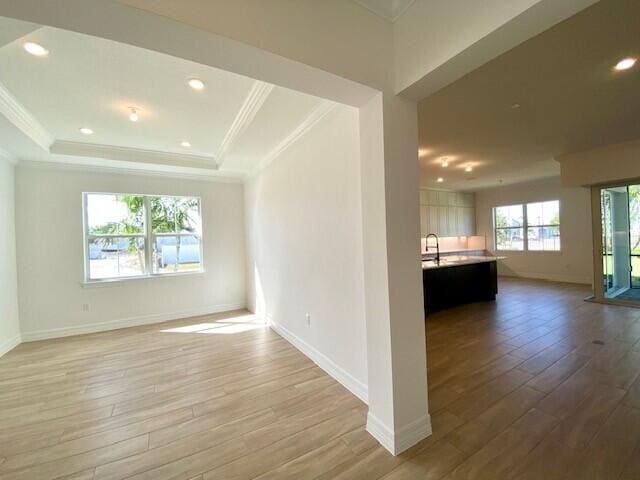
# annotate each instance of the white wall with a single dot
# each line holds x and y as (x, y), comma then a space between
(304, 243)
(438, 41)
(574, 263)
(50, 255)
(608, 164)
(333, 64)
(9, 323)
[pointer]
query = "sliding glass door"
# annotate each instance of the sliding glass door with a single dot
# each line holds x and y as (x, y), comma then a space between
(634, 233)
(616, 251)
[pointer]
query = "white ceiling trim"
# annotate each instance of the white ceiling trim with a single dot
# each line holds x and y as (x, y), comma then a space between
(128, 168)
(112, 152)
(4, 155)
(307, 124)
(252, 104)
(391, 11)
(23, 119)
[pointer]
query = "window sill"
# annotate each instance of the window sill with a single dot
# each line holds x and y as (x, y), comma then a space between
(115, 282)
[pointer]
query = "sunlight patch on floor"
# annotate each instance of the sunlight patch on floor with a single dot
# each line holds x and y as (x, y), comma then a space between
(239, 324)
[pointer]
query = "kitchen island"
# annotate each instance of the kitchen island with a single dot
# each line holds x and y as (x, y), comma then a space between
(458, 279)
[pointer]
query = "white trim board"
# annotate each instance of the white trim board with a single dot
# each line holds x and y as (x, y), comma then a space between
(549, 277)
(19, 116)
(129, 322)
(252, 104)
(307, 124)
(10, 344)
(347, 380)
(131, 154)
(406, 437)
(218, 176)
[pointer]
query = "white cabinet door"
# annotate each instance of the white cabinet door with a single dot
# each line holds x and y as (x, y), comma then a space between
(460, 221)
(443, 221)
(451, 221)
(469, 221)
(433, 225)
(424, 220)
(424, 197)
(433, 197)
(468, 200)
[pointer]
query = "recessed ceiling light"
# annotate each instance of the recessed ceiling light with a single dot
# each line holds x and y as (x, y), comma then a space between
(133, 114)
(36, 49)
(86, 131)
(196, 84)
(515, 106)
(468, 168)
(440, 180)
(185, 144)
(444, 161)
(625, 63)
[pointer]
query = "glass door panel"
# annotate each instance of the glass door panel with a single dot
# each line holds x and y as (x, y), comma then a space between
(616, 241)
(634, 234)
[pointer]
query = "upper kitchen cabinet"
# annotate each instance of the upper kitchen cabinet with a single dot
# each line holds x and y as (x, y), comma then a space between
(447, 213)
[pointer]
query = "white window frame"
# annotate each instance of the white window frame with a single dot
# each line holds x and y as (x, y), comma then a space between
(148, 236)
(558, 226)
(525, 227)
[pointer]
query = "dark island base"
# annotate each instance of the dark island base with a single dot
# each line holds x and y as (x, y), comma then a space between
(457, 285)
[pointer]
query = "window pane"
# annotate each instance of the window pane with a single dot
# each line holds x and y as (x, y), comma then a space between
(509, 239)
(543, 238)
(509, 216)
(188, 215)
(176, 254)
(115, 214)
(116, 257)
(543, 213)
(163, 214)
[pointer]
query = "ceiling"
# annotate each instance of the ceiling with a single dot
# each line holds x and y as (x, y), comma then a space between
(554, 94)
(387, 9)
(233, 125)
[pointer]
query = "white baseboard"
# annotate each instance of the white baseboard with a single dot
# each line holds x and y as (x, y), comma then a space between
(551, 277)
(405, 438)
(10, 344)
(352, 384)
(128, 322)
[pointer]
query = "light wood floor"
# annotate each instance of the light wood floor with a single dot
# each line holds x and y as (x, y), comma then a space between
(537, 385)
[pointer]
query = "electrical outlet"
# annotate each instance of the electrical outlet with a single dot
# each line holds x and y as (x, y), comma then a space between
(308, 317)
(85, 307)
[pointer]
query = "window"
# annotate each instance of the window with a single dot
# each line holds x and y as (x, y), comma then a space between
(509, 227)
(540, 221)
(141, 235)
(543, 226)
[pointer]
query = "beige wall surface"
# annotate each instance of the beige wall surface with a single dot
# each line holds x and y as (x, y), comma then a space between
(574, 263)
(610, 164)
(304, 247)
(51, 255)
(9, 322)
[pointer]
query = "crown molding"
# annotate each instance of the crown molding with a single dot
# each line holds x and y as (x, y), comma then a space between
(121, 168)
(4, 155)
(127, 154)
(19, 116)
(395, 10)
(252, 104)
(307, 124)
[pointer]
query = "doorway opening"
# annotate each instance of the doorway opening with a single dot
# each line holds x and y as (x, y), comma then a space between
(620, 237)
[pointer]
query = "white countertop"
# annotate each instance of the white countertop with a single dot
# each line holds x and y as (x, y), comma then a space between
(455, 260)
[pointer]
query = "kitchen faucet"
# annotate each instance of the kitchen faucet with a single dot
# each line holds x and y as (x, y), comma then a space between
(426, 245)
